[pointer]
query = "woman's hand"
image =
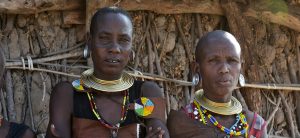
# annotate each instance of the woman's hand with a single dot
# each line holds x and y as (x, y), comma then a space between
(54, 131)
(156, 133)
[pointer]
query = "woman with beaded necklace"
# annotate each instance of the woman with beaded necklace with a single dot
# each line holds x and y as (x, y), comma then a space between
(214, 112)
(106, 101)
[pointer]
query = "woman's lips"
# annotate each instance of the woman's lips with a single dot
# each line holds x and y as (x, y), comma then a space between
(113, 60)
(224, 82)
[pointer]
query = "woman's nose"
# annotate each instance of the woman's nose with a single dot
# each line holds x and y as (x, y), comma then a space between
(224, 68)
(115, 48)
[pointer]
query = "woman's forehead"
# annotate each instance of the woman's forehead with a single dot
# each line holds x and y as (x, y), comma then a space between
(114, 21)
(221, 48)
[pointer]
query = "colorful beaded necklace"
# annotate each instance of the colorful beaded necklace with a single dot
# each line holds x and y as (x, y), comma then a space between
(239, 128)
(104, 122)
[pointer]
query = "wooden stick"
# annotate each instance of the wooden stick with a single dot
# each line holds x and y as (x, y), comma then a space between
(271, 116)
(137, 59)
(65, 50)
(150, 58)
(198, 21)
(3, 105)
(298, 58)
(149, 46)
(167, 98)
(10, 96)
(271, 101)
(46, 59)
(273, 87)
(145, 76)
(29, 37)
(292, 72)
(288, 115)
(186, 88)
(270, 131)
(185, 43)
(296, 95)
(9, 24)
(29, 101)
(46, 70)
(65, 66)
(162, 52)
(292, 75)
(40, 41)
(157, 60)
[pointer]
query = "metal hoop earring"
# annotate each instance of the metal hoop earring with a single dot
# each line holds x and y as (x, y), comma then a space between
(195, 79)
(86, 52)
(242, 80)
(132, 55)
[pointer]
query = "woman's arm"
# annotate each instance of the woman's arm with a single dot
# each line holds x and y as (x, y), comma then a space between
(155, 126)
(61, 109)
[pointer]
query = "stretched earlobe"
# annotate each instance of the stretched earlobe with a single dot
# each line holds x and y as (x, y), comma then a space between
(132, 55)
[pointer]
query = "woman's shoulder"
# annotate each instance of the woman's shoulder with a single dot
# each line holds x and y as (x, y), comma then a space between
(151, 89)
(63, 86)
(61, 96)
(62, 89)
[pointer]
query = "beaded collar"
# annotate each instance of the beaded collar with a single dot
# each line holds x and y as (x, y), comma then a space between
(88, 80)
(230, 108)
(240, 127)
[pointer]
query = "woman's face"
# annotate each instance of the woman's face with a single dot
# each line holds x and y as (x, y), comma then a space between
(111, 45)
(220, 67)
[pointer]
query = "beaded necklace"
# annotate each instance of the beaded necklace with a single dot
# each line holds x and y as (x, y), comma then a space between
(240, 127)
(113, 128)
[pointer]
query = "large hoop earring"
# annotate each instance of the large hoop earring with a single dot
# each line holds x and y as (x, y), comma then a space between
(195, 79)
(132, 57)
(242, 80)
(86, 52)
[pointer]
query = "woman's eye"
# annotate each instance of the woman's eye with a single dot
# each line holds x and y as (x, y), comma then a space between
(124, 40)
(233, 60)
(103, 38)
(212, 60)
